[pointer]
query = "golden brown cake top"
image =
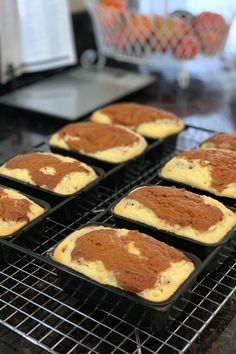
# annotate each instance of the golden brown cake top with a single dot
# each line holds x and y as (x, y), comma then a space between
(93, 137)
(178, 206)
(133, 114)
(12, 209)
(223, 141)
(37, 164)
(222, 165)
(133, 272)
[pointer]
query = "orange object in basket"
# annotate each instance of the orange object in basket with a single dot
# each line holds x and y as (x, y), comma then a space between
(141, 26)
(212, 42)
(187, 48)
(112, 20)
(169, 32)
(211, 30)
(137, 29)
(116, 4)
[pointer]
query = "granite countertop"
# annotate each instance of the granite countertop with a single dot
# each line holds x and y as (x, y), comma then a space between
(200, 105)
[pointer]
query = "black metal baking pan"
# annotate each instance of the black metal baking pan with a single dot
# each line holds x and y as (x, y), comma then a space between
(218, 256)
(105, 165)
(32, 223)
(116, 171)
(36, 224)
(200, 249)
(213, 134)
(52, 197)
(37, 240)
(225, 200)
(132, 308)
(169, 140)
(153, 144)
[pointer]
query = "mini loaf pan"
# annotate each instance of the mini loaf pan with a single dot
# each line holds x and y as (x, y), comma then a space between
(218, 256)
(169, 140)
(200, 249)
(154, 147)
(52, 197)
(142, 313)
(116, 171)
(213, 134)
(170, 182)
(34, 242)
(37, 223)
(32, 223)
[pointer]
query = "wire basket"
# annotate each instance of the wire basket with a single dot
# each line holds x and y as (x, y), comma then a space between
(146, 32)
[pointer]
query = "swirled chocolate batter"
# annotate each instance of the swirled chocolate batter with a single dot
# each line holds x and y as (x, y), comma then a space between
(12, 209)
(92, 137)
(222, 165)
(133, 114)
(223, 141)
(132, 272)
(178, 207)
(38, 163)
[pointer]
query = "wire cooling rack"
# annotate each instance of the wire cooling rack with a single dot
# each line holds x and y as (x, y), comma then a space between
(33, 305)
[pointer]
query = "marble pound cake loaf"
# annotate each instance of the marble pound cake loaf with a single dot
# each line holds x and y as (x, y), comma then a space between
(210, 170)
(53, 172)
(148, 121)
(224, 141)
(178, 211)
(101, 141)
(125, 259)
(16, 211)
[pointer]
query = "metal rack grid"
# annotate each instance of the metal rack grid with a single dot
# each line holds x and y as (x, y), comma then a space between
(34, 306)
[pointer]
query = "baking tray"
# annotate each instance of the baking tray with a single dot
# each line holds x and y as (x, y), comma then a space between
(133, 309)
(200, 249)
(36, 224)
(52, 197)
